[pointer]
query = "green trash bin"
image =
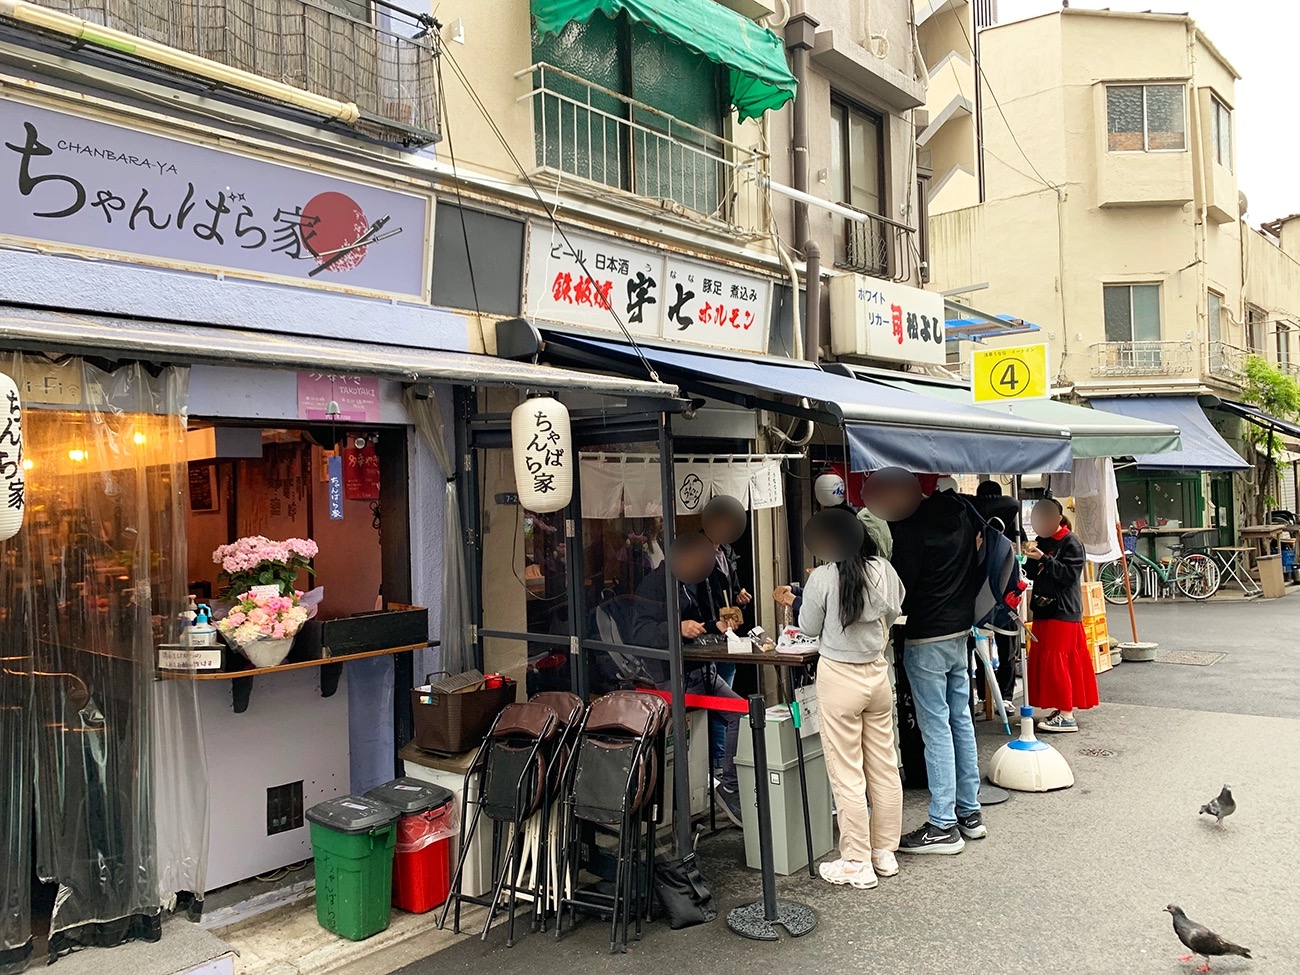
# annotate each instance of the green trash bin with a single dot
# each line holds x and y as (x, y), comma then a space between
(352, 840)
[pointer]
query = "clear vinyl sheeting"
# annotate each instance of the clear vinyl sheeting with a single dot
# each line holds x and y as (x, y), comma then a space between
(104, 778)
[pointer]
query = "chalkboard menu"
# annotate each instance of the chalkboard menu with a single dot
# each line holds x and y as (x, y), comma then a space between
(204, 495)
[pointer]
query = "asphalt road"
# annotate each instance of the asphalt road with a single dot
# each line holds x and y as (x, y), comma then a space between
(1073, 881)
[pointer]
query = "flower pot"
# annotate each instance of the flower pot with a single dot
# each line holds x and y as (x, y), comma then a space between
(267, 652)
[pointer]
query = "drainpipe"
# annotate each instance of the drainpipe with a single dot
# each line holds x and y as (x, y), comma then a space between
(800, 35)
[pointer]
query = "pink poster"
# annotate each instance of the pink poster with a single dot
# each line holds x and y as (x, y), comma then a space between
(355, 397)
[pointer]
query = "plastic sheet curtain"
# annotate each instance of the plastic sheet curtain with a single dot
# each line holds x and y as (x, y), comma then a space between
(103, 763)
(457, 653)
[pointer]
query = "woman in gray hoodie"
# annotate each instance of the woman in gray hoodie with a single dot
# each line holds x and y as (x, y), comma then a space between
(851, 605)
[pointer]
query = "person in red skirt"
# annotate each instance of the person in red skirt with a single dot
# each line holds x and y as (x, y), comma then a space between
(1061, 674)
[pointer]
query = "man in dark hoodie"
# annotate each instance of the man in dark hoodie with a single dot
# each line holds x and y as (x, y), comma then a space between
(935, 555)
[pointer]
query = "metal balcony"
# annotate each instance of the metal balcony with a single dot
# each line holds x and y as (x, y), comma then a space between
(392, 78)
(646, 157)
(880, 247)
(1228, 362)
(1127, 359)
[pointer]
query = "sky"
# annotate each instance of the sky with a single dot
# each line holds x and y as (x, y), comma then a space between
(1261, 39)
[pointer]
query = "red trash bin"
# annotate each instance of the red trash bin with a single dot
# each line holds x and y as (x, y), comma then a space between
(422, 860)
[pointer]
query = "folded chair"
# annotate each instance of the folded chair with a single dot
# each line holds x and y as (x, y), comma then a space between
(610, 782)
(512, 771)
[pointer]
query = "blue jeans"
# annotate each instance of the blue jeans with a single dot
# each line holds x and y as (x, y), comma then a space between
(940, 677)
(704, 680)
(718, 727)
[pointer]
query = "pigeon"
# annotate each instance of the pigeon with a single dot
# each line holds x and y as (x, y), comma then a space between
(1220, 807)
(1201, 940)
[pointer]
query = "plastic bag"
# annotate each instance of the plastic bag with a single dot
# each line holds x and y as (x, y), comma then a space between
(419, 831)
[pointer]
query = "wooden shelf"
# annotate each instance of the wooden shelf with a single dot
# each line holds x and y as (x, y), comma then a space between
(331, 668)
(298, 665)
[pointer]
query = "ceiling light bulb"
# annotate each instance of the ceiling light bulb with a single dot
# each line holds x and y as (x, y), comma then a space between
(77, 455)
(333, 408)
(139, 439)
(27, 464)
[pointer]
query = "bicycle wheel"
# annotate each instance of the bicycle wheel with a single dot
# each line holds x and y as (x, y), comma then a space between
(1111, 576)
(1197, 576)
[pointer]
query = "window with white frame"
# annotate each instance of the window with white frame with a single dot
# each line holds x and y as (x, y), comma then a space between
(1283, 347)
(1132, 312)
(1221, 133)
(1146, 118)
(1256, 328)
(1214, 329)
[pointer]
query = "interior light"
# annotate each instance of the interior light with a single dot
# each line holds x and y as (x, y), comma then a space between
(77, 455)
(27, 464)
(139, 439)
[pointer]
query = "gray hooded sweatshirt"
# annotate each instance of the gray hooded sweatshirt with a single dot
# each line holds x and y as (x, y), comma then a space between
(862, 640)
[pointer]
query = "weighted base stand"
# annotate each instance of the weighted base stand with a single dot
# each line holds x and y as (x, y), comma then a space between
(751, 921)
(758, 921)
(991, 795)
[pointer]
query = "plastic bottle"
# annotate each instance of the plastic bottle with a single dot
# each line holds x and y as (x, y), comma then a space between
(203, 633)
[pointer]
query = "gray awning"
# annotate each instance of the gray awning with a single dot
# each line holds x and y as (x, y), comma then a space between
(1093, 433)
(1203, 448)
(73, 334)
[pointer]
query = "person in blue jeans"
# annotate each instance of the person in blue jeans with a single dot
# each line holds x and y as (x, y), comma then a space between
(935, 555)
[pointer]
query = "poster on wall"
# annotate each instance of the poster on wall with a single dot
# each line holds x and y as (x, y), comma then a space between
(83, 185)
(360, 472)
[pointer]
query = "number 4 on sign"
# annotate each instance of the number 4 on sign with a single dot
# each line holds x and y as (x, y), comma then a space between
(1008, 375)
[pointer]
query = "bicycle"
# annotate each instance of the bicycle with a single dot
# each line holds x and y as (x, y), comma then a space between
(1196, 576)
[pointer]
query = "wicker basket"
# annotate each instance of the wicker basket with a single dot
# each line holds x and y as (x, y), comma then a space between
(451, 723)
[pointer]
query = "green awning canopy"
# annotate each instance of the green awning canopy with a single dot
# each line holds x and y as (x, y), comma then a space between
(1093, 433)
(754, 56)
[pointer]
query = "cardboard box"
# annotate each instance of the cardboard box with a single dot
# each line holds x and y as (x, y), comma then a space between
(1094, 601)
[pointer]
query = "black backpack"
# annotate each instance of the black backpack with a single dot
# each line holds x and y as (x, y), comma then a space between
(1000, 584)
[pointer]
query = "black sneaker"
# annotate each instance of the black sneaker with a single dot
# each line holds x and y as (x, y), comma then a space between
(729, 799)
(972, 825)
(933, 839)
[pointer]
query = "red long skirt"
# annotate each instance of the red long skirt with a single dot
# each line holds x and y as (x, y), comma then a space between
(1061, 674)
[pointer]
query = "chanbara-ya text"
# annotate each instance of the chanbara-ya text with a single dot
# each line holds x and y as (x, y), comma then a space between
(543, 455)
(917, 327)
(11, 455)
(330, 230)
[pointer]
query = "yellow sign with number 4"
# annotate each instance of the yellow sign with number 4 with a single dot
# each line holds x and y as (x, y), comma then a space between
(1007, 375)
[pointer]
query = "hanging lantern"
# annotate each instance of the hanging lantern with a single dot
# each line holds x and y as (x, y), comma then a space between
(543, 449)
(829, 490)
(13, 473)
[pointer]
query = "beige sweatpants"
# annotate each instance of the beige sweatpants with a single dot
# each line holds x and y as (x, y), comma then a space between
(857, 721)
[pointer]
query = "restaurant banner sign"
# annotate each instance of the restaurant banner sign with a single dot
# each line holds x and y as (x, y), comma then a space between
(886, 320)
(655, 294)
(85, 186)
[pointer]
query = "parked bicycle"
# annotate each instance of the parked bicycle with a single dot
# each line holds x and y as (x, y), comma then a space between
(1195, 575)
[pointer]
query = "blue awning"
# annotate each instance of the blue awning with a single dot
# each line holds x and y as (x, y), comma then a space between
(886, 427)
(1203, 448)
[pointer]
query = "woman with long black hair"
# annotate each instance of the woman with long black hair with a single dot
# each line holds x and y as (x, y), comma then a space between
(851, 605)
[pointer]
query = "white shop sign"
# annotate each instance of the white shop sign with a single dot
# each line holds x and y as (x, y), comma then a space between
(886, 320)
(656, 295)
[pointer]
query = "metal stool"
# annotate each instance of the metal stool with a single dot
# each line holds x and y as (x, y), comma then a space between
(1234, 560)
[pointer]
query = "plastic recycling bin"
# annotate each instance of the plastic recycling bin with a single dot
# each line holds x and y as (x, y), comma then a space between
(422, 861)
(352, 840)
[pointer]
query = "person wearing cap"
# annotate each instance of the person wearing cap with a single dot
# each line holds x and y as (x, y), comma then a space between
(1061, 674)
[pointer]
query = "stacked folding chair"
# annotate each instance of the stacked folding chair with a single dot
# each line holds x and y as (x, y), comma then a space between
(539, 865)
(611, 782)
(512, 770)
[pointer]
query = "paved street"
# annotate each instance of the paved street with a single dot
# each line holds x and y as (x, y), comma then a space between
(1072, 881)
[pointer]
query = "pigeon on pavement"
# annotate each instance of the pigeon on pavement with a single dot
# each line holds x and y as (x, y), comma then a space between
(1201, 940)
(1220, 807)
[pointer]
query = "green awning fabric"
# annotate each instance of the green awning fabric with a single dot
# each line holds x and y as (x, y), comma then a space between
(754, 56)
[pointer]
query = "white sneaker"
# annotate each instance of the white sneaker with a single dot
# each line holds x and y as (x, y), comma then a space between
(885, 863)
(841, 872)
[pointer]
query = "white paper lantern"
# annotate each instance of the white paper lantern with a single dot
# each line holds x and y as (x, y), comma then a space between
(829, 490)
(13, 476)
(543, 449)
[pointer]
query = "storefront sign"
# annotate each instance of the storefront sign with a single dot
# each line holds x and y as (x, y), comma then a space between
(885, 320)
(541, 439)
(334, 469)
(357, 397)
(1007, 375)
(81, 185)
(13, 474)
(655, 295)
(360, 472)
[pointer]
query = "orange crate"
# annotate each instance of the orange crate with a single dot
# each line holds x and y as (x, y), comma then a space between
(1094, 602)
(1101, 656)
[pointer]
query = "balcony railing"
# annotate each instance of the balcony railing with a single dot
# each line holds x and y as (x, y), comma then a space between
(1125, 359)
(392, 78)
(1228, 362)
(586, 131)
(879, 246)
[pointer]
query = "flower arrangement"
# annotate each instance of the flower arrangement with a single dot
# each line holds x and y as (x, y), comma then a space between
(255, 617)
(258, 561)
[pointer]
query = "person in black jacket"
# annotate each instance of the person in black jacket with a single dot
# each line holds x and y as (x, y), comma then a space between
(1061, 674)
(692, 557)
(991, 503)
(935, 555)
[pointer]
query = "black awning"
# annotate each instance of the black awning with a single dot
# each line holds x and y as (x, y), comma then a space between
(1255, 415)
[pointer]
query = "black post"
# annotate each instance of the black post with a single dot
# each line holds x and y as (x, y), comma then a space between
(797, 715)
(758, 722)
(676, 678)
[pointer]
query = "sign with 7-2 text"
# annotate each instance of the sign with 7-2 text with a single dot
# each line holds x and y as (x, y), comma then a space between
(1009, 375)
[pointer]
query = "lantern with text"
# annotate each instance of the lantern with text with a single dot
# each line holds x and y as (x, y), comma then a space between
(542, 443)
(13, 473)
(829, 490)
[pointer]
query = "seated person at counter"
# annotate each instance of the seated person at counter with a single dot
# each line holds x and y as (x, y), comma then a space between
(692, 557)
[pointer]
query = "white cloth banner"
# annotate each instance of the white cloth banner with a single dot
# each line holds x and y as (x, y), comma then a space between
(602, 488)
(731, 478)
(692, 487)
(766, 486)
(1097, 512)
(643, 495)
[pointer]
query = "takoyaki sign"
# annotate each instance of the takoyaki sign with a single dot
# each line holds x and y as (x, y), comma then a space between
(82, 185)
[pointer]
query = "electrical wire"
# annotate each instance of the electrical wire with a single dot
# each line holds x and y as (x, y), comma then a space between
(549, 210)
(460, 203)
